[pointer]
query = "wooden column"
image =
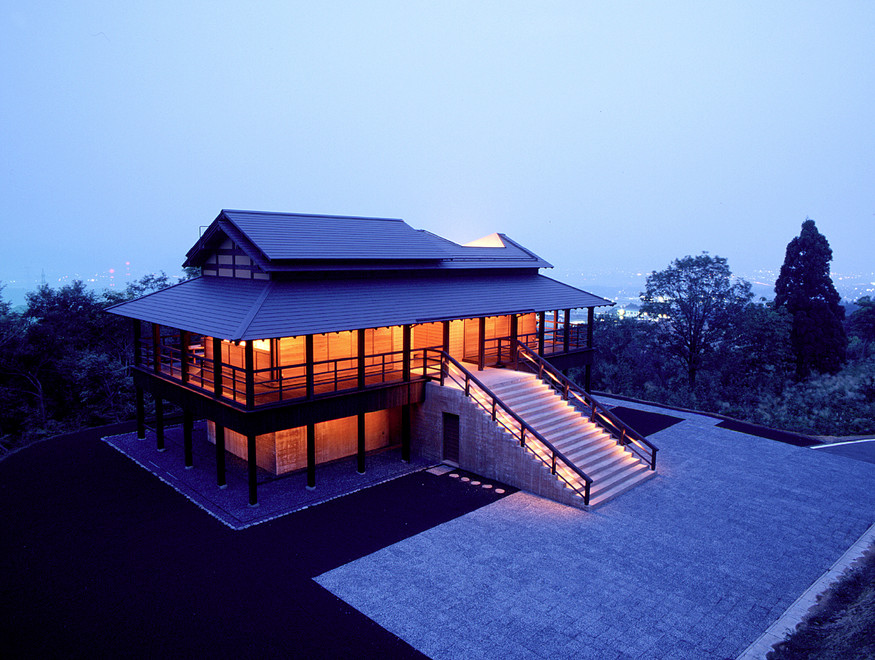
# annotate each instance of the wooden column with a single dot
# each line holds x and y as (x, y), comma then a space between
(141, 412)
(249, 365)
(217, 368)
(587, 372)
(187, 427)
(446, 343)
(156, 348)
(308, 351)
(514, 338)
(541, 320)
(138, 354)
(566, 331)
(360, 354)
(220, 456)
(159, 423)
(183, 356)
(481, 343)
(405, 356)
(311, 456)
(405, 433)
(361, 443)
(252, 469)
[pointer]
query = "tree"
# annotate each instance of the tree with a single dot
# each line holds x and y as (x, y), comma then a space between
(805, 289)
(861, 323)
(693, 301)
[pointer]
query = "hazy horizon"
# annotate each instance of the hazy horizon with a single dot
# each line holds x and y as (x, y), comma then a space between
(606, 137)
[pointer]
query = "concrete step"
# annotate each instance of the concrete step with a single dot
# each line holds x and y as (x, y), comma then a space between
(618, 489)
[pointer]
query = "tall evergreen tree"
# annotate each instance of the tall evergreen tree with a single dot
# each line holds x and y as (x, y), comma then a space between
(805, 289)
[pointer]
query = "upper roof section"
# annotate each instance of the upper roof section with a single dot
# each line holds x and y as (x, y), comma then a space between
(292, 242)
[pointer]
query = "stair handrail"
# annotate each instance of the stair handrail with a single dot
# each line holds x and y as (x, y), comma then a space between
(624, 434)
(495, 404)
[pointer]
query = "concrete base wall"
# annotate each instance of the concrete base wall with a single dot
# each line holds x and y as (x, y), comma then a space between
(484, 448)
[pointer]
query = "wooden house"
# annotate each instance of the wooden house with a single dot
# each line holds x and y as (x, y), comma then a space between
(311, 338)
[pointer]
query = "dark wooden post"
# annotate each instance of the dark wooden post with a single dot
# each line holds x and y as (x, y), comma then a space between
(405, 355)
(249, 365)
(183, 356)
(159, 423)
(587, 373)
(253, 469)
(446, 343)
(156, 348)
(360, 354)
(309, 352)
(218, 387)
(514, 338)
(481, 343)
(187, 427)
(541, 321)
(566, 332)
(361, 443)
(138, 332)
(405, 433)
(311, 456)
(220, 456)
(141, 411)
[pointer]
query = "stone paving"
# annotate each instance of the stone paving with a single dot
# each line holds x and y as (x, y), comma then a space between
(696, 563)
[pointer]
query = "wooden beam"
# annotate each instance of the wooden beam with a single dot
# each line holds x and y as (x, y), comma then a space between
(587, 372)
(481, 343)
(360, 455)
(252, 468)
(218, 386)
(141, 412)
(446, 342)
(249, 366)
(311, 456)
(159, 422)
(183, 355)
(187, 428)
(220, 457)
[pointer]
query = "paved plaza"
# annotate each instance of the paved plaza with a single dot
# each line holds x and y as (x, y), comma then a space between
(696, 563)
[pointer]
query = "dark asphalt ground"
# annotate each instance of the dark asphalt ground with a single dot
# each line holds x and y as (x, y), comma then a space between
(101, 559)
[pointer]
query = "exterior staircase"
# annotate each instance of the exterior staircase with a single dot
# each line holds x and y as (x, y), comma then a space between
(612, 468)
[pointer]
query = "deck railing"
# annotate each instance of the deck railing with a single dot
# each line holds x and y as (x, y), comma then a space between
(453, 371)
(624, 434)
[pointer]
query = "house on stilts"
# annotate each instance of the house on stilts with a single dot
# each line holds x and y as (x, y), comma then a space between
(311, 338)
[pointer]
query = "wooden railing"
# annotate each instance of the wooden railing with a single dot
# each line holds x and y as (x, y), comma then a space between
(516, 426)
(625, 435)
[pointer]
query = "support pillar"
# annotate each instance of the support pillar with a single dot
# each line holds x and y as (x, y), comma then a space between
(253, 469)
(221, 482)
(361, 443)
(405, 433)
(360, 358)
(249, 363)
(218, 387)
(541, 321)
(481, 343)
(514, 338)
(566, 332)
(187, 427)
(311, 455)
(587, 374)
(159, 423)
(141, 412)
(405, 347)
(309, 351)
(183, 355)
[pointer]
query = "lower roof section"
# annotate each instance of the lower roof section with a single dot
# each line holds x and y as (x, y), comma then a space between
(238, 309)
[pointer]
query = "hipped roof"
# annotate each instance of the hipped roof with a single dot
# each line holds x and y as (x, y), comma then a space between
(236, 309)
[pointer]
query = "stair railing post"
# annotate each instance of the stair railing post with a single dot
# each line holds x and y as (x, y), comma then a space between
(522, 436)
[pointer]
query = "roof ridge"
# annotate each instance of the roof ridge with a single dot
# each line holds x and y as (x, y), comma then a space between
(313, 215)
(253, 311)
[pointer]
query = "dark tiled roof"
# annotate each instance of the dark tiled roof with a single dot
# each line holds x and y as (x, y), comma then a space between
(253, 309)
(283, 242)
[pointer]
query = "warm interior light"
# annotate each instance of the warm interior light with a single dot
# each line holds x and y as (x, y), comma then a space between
(492, 240)
(261, 344)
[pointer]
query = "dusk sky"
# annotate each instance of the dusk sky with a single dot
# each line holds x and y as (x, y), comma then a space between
(602, 135)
